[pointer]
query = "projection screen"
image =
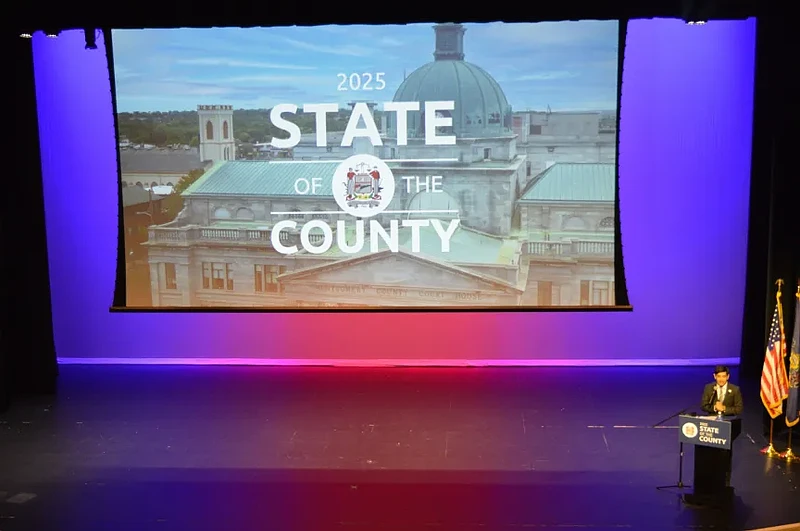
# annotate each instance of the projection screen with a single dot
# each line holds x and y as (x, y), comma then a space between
(426, 166)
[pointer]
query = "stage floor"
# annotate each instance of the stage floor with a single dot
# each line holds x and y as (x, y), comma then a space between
(130, 448)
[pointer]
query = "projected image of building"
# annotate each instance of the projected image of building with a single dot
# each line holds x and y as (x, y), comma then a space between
(154, 168)
(534, 193)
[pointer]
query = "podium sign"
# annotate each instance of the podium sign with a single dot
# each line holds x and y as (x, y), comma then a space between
(712, 438)
(706, 431)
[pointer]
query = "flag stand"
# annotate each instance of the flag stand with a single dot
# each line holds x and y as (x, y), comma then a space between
(770, 451)
(788, 455)
(774, 401)
(792, 413)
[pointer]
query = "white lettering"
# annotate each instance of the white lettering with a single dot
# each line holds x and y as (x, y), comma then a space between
(445, 235)
(321, 110)
(712, 440)
(434, 117)
(301, 186)
(341, 236)
(431, 183)
(275, 236)
(392, 238)
(415, 225)
(327, 236)
(401, 108)
(432, 121)
(316, 182)
(370, 130)
(378, 234)
(285, 125)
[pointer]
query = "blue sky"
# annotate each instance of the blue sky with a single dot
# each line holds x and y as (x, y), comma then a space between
(563, 65)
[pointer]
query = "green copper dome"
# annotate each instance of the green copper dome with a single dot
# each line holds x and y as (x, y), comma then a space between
(481, 107)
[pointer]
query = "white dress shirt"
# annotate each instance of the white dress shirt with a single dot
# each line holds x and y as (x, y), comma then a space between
(721, 396)
(721, 392)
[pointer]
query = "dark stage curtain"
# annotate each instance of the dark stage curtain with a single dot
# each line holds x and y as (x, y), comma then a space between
(27, 350)
(773, 240)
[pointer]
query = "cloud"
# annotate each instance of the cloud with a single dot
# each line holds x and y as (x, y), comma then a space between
(548, 76)
(247, 81)
(186, 95)
(604, 64)
(585, 106)
(347, 49)
(133, 41)
(235, 63)
(164, 88)
(335, 28)
(561, 64)
(120, 72)
(388, 41)
(240, 43)
(544, 34)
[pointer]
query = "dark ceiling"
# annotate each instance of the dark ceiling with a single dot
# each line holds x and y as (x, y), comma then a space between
(30, 16)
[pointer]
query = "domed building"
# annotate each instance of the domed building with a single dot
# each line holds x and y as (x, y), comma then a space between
(558, 250)
(482, 172)
(481, 110)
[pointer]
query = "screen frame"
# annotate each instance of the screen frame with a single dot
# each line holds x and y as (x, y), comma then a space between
(119, 302)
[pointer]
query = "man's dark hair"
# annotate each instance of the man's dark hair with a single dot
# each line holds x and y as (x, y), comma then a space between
(721, 368)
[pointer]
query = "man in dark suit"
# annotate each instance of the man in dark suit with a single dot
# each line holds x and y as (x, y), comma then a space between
(721, 396)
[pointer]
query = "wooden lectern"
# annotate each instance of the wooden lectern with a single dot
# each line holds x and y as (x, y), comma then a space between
(712, 438)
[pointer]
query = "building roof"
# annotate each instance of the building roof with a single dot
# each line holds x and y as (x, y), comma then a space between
(310, 139)
(481, 106)
(160, 161)
(448, 267)
(136, 195)
(263, 178)
(573, 181)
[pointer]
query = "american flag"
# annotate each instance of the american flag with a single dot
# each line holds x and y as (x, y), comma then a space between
(774, 381)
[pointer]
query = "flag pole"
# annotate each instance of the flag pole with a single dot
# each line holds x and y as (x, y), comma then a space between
(788, 455)
(770, 450)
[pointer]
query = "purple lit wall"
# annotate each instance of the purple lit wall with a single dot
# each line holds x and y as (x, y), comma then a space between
(684, 181)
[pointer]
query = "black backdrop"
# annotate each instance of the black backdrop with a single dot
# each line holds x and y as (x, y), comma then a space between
(774, 233)
(27, 350)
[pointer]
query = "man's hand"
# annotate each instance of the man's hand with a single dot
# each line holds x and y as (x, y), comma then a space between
(718, 406)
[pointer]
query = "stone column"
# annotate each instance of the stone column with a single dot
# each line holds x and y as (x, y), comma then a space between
(523, 218)
(184, 283)
(568, 291)
(154, 287)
